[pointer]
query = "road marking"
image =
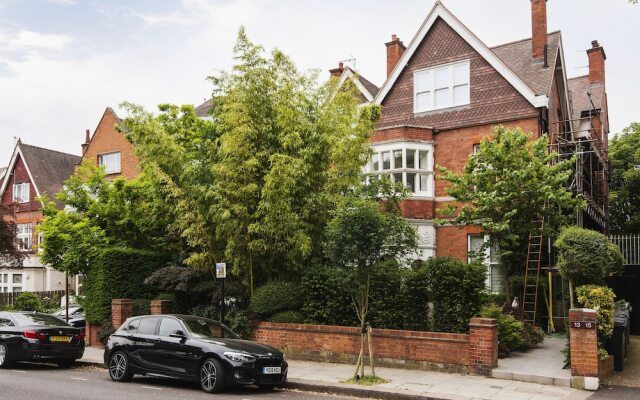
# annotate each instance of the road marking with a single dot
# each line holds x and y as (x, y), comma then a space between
(151, 387)
(20, 372)
(77, 379)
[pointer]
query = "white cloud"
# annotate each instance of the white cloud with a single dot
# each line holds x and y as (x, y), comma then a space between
(26, 39)
(63, 2)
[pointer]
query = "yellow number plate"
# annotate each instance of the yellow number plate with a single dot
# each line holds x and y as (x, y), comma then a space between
(60, 339)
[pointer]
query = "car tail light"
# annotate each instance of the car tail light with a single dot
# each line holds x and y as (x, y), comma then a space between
(34, 335)
(78, 336)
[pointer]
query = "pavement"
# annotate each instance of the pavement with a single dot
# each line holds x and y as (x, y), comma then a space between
(630, 376)
(406, 384)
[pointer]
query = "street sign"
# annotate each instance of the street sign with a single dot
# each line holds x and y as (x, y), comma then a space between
(221, 270)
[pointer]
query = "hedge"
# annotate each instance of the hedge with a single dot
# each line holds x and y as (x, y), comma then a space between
(118, 272)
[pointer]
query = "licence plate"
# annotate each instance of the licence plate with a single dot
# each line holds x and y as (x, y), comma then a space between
(271, 370)
(60, 339)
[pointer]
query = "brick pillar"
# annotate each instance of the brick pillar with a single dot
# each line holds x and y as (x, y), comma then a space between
(483, 345)
(91, 335)
(121, 309)
(161, 307)
(583, 337)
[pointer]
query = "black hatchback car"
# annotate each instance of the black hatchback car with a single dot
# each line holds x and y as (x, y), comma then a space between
(31, 336)
(191, 348)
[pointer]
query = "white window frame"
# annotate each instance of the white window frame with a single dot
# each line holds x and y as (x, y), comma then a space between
(24, 236)
(432, 87)
(25, 192)
(488, 261)
(417, 147)
(102, 161)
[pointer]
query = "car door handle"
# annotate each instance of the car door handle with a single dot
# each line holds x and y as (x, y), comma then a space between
(157, 340)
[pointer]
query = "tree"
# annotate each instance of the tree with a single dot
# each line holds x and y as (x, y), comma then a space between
(9, 251)
(624, 153)
(254, 186)
(509, 184)
(585, 255)
(358, 236)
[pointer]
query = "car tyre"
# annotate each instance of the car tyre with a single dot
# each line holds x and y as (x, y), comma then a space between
(119, 367)
(211, 376)
(5, 357)
(65, 363)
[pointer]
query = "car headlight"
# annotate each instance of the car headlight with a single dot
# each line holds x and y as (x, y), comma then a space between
(239, 357)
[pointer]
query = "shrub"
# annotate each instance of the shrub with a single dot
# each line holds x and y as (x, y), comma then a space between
(601, 299)
(386, 302)
(141, 307)
(51, 304)
(211, 311)
(292, 317)
(327, 298)
(238, 322)
(415, 298)
(118, 272)
(456, 290)
(27, 302)
(276, 296)
(509, 328)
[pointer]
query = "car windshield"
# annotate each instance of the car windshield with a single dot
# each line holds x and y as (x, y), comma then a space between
(38, 320)
(208, 329)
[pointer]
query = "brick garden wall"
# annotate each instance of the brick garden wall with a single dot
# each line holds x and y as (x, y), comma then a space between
(475, 352)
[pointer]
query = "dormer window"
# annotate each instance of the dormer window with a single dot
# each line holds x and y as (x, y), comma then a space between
(21, 192)
(441, 87)
(110, 162)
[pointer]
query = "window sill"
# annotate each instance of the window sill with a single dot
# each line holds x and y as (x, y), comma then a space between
(441, 110)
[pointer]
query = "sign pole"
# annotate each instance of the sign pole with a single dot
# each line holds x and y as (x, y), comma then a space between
(221, 273)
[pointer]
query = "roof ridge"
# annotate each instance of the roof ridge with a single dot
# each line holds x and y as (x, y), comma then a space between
(521, 40)
(51, 150)
(579, 77)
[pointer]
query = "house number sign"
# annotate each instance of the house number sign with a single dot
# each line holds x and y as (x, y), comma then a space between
(583, 325)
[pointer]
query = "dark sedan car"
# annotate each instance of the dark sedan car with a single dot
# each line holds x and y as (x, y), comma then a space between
(31, 336)
(191, 348)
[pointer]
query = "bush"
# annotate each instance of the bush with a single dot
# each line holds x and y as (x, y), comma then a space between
(141, 307)
(327, 299)
(276, 296)
(386, 300)
(51, 304)
(456, 290)
(415, 298)
(509, 329)
(238, 322)
(27, 302)
(601, 299)
(118, 272)
(289, 317)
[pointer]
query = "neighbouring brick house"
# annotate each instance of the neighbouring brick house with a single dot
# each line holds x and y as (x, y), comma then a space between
(447, 89)
(32, 172)
(109, 148)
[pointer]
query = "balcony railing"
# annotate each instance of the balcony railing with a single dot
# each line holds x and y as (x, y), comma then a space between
(629, 246)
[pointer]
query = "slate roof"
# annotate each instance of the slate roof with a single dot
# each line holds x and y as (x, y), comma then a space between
(49, 168)
(373, 89)
(579, 87)
(202, 111)
(517, 56)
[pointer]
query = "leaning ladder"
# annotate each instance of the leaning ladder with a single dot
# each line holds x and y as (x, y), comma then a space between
(532, 274)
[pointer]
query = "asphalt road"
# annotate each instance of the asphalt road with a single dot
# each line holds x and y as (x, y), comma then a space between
(616, 393)
(45, 382)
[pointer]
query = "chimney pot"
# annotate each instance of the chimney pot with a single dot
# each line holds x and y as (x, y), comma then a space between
(595, 44)
(395, 50)
(87, 137)
(394, 37)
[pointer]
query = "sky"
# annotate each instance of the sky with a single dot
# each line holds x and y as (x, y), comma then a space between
(62, 62)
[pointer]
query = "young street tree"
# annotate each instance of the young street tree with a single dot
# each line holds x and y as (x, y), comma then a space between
(255, 184)
(504, 188)
(624, 153)
(359, 235)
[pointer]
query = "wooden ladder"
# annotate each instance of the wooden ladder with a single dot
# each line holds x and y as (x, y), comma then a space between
(529, 301)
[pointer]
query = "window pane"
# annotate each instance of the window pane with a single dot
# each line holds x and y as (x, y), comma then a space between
(169, 326)
(424, 183)
(375, 162)
(17, 278)
(442, 78)
(461, 95)
(397, 177)
(111, 162)
(461, 74)
(148, 326)
(397, 159)
(476, 148)
(442, 98)
(423, 81)
(133, 326)
(424, 159)
(423, 102)
(476, 242)
(411, 181)
(411, 157)
(386, 160)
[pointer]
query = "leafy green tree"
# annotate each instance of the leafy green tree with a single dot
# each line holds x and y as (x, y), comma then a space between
(585, 255)
(624, 153)
(358, 236)
(509, 184)
(255, 184)
(10, 254)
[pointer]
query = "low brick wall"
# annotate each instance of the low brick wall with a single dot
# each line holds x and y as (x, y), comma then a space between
(475, 352)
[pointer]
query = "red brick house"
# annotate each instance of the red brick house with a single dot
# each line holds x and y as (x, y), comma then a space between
(32, 172)
(444, 92)
(109, 148)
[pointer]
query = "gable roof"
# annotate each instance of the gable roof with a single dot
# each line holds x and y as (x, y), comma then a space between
(579, 89)
(440, 11)
(48, 169)
(202, 111)
(368, 89)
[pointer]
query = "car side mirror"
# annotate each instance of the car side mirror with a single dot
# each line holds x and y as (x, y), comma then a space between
(178, 334)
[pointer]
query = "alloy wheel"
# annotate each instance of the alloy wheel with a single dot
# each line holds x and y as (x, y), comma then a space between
(118, 366)
(208, 375)
(3, 353)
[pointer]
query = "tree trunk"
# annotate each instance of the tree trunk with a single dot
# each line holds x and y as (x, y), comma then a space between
(370, 340)
(571, 293)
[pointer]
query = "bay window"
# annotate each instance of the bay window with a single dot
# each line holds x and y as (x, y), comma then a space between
(406, 162)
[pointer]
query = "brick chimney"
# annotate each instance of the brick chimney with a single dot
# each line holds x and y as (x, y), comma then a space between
(596, 63)
(538, 29)
(87, 139)
(395, 50)
(337, 72)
